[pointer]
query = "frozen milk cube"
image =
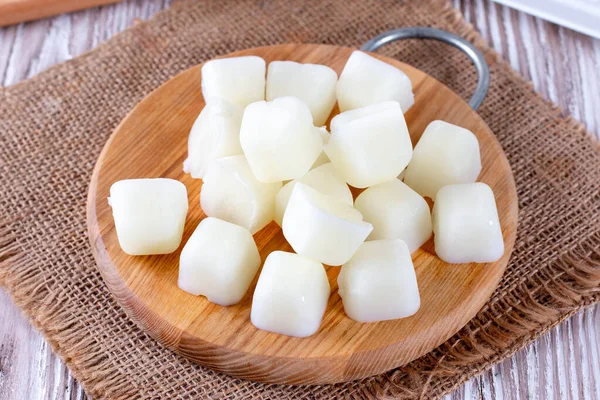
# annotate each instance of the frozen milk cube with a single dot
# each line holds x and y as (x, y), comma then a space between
(366, 80)
(279, 139)
(218, 261)
(239, 80)
(396, 212)
(465, 224)
(379, 282)
(370, 145)
(314, 84)
(231, 192)
(215, 134)
(323, 227)
(446, 154)
(149, 214)
(324, 179)
(291, 295)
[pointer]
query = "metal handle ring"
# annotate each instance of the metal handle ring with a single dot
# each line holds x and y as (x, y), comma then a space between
(418, 32)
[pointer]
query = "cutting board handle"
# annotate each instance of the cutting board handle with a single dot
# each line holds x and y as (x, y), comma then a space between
(421, 32)
(15, 11)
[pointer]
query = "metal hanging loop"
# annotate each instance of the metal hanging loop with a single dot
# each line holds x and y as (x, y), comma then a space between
(418, 32)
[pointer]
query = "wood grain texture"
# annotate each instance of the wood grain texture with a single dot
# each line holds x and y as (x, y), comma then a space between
(28, 367)
(15, 11)
(534, 47)
(223, 337)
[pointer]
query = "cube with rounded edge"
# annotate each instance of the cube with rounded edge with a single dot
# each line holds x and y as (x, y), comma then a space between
(379, 282)
(366, 80)
(291, 295)
(215, 134)
(239, 80)
(466, 225)
(396, 212)
(279, 139)
(314, 84)
(324, 179)
(323, 227)
(446, 154)
(231, 192)
(149, 214)
(370, 145)
(218, 261)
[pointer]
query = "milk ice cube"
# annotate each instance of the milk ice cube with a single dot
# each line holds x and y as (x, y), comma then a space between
(314, 84)
(231, 192)
(291, 295)
(215, 134)
(218, 261)
(379, 282)
(370, 145)
(149, 214)
(324, 179)
(446, 154)
(239, 80)
(323, 227)
(396, 212)
(466, 225)
(349, 116)
(367, 80)
(279, 139)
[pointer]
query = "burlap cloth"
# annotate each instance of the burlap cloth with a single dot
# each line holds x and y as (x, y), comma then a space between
(53, 127)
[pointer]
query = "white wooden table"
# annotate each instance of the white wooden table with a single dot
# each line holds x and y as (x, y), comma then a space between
(564, 67)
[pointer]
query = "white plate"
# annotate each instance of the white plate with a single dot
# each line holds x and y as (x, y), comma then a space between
(579, 15)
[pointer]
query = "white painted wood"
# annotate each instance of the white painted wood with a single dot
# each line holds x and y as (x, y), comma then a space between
(564, 364)
(28, 368)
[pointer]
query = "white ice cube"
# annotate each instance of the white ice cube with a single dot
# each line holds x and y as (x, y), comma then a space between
(366, 80)
(314, 84)
(323, 227)
(396, 212)
(370, 145)
(322, 159)
(379, 282)
(218, 261)
(231, 192)
(215, 134)
(465, 224)
(349, 116)
(239, 80)
(291, 295)
(446, 154)
(324, 179)
(279, 139)
(149, 214)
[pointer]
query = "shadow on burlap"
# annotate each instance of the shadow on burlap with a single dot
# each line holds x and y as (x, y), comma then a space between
(54, 126)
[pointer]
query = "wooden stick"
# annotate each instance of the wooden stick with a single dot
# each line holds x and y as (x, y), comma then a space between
(15, 11)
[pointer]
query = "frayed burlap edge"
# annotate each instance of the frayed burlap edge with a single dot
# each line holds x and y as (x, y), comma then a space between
(557, 292)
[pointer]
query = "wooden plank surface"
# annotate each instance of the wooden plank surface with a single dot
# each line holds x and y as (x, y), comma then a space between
(564, 67)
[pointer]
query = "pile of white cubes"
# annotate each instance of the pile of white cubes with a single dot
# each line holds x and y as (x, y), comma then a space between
(261, 149)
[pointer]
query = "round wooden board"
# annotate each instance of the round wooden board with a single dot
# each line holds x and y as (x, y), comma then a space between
(152, 142)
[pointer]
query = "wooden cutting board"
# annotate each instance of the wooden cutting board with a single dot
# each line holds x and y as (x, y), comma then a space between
(152, 142)
(15, 11)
